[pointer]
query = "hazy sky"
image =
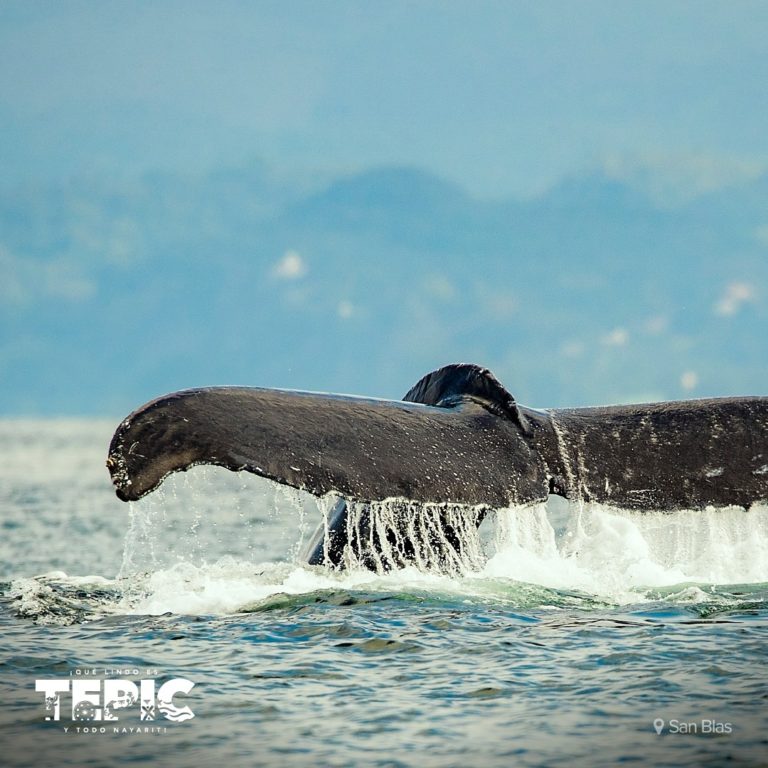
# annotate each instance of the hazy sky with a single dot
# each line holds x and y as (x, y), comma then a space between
(503, 97)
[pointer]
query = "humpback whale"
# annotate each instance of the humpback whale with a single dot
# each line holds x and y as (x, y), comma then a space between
(457, 439)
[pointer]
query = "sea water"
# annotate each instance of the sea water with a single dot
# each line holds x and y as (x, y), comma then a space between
(568, 635)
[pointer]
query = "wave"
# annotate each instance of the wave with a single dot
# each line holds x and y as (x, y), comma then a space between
(537, 557)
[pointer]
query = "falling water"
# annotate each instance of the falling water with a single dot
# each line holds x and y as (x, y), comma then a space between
(383, 536)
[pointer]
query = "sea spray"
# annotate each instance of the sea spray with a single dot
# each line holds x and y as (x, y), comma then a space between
(207, 513)
(386, 535)
(183, 553)
(618, 553)
(198, 525)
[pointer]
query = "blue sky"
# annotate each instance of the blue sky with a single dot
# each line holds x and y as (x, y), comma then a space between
(502, 97)
(611, 295)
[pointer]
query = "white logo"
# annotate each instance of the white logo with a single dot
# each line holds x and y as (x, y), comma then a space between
(97, 700)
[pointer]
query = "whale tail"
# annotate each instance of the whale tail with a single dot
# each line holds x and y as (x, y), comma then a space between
(457, 437)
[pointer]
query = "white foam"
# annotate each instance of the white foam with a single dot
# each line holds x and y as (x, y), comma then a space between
(617, 553)
(612, 554)
(212, 541)
(173, 556)
(228, 586)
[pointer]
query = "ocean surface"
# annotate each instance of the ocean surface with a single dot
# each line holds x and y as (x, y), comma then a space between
(575, 634)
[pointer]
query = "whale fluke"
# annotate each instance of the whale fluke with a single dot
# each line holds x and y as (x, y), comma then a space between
(458, 437)
(361, 449)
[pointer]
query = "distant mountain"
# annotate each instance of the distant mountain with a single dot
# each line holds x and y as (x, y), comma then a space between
(114, 291)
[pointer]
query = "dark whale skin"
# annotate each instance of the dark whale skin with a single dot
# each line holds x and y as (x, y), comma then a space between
(361, 449)
(466, 442)
(458, 437)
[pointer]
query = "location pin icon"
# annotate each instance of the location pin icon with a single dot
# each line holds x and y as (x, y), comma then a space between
(658, 724)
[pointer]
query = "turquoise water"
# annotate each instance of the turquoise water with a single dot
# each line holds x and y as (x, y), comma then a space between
(581, 627)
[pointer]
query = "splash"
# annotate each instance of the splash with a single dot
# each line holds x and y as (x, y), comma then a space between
(619, 553)
(55, 598)
(210, 543)
(551, 554)
(208, 514)
(387, 535)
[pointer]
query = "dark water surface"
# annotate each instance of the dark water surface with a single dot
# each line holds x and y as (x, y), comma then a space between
(581, 629)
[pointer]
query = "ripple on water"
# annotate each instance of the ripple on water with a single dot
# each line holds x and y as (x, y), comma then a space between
(561, 647)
